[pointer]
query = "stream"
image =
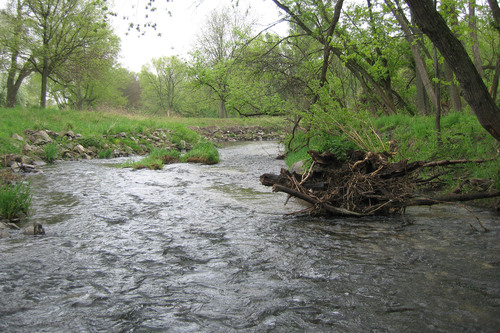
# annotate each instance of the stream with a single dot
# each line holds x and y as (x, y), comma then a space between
(197, 248)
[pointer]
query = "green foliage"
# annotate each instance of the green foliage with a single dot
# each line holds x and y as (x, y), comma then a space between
(51, 152)
(203, 152)
(337, 145)
(179, 133)
(166, 155)
(321, 142)
(15, 199)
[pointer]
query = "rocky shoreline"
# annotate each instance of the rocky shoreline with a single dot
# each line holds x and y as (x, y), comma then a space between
(42, 146)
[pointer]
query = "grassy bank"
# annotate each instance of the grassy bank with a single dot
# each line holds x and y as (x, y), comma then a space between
(414, 138)
(91, 124)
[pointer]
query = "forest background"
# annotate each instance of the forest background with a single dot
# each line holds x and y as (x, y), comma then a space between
(345, 71)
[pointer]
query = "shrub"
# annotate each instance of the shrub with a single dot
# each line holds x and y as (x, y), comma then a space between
(15, 199)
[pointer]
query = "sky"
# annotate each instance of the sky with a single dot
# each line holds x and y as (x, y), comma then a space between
(178, 30)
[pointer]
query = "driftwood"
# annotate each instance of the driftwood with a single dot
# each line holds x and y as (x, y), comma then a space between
(366, 184)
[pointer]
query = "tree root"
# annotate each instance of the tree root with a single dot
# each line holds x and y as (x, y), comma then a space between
(368, 184)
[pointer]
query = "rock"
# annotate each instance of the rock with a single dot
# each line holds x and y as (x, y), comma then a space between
(69, 134)
(79, 149)
(297, 167)
(28, 168)
(52, 134)
(35, 229)
(27, 149)
(16, 136)
(41, 138)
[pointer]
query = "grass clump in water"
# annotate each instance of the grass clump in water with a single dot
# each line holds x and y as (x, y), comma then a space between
(203, 152)
(155, 160)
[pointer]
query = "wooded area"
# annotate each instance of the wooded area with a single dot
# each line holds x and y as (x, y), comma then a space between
(340, 57)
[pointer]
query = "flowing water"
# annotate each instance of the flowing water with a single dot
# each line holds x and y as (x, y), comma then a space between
(196, 248)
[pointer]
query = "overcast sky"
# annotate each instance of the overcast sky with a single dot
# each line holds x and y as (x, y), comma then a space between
(178, 31)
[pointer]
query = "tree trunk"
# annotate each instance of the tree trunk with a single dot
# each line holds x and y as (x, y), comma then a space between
(473, 34)
(222, 109)
(419, 61)
(494, 84)
(453, 89)
(422, 98)
(474, 89)
(43, 93)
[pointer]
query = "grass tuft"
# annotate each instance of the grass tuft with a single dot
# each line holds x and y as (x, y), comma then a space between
(15, 199)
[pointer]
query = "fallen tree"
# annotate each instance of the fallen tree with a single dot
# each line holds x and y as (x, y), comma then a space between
(369, 184)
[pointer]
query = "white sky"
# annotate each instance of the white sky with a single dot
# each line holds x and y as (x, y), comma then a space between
(179, 31)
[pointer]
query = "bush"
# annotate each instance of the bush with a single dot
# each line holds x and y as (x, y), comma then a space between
(15, 199)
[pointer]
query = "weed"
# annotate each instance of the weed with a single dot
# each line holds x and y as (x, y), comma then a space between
(92, 141)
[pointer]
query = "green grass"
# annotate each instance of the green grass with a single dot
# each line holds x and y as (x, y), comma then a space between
(415, 138)
(155, 160)
(15, 199)
(51, 152)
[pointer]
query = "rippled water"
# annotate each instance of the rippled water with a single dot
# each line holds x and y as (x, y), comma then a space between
(195, 248)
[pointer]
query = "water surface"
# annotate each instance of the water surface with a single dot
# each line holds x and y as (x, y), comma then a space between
(195, 248)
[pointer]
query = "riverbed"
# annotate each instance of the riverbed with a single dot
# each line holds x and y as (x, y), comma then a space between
(197, 248)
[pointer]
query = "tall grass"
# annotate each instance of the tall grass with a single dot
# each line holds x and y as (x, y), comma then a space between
(15, 199)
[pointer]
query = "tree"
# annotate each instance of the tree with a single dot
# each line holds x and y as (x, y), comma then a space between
(13, 37)
(474, 89)
(77, 84)
(218, 49)
(58, 30)
(161, 81)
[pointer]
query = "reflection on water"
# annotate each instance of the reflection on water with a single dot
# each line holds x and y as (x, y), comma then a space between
(195, 248)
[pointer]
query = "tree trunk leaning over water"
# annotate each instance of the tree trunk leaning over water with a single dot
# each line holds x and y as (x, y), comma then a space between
(473, 87)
